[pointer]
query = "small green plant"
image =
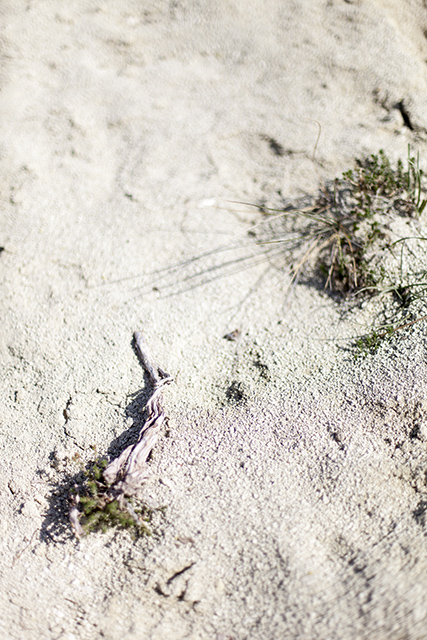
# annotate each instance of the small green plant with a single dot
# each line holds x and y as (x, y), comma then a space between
(101, 510)
(370, 342)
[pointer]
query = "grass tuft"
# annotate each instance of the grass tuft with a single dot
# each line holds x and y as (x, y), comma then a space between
(349, 239)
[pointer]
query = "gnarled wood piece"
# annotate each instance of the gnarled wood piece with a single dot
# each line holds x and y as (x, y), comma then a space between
(126, 474)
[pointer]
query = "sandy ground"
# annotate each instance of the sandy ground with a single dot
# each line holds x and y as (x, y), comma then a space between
(294, 477)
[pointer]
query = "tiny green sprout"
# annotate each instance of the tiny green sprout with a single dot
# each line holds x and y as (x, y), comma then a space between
(88, 504)
(98, 469)
(371, 342)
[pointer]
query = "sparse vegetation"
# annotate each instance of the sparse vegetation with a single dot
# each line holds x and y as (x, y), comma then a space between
(100, 509)
(359, 239)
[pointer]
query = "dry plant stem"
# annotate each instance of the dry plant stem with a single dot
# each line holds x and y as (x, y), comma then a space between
(126, 474)
(402, 326)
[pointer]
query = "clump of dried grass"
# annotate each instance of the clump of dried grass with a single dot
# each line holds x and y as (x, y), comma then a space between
(347, 239)
(342, 235)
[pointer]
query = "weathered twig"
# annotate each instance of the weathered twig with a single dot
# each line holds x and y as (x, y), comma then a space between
(74, 515)
(126, 474)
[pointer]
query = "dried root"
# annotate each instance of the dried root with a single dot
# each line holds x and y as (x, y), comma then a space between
(107, 498)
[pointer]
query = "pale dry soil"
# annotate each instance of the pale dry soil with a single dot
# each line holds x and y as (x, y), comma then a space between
(294, 477)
